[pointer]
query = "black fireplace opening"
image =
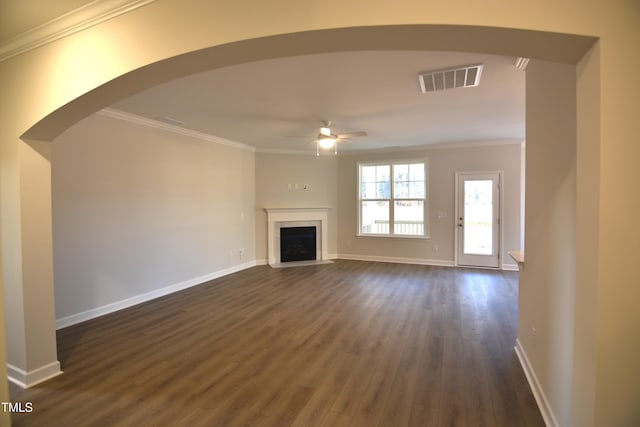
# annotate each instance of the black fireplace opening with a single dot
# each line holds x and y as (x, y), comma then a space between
(297, 244)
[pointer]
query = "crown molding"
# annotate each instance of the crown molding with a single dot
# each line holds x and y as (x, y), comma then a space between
(144, 121)
(70, 23)
(268, 150)
(436, 146)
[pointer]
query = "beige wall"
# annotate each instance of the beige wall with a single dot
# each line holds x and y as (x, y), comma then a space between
(443, 165)
(137, 209)
(276, 179)
(42, 80)
(547, 281)
(333, 183)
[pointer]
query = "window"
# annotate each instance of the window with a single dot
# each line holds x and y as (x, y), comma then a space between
(392, 199)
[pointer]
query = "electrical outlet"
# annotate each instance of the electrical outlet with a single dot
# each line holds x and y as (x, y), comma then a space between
(434, 248)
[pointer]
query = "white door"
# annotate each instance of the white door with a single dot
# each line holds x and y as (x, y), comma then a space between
(478, 219)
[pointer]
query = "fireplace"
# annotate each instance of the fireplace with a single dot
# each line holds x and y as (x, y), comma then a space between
(297, 244)
(282, 218)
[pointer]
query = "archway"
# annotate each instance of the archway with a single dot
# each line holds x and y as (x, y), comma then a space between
(567, 49)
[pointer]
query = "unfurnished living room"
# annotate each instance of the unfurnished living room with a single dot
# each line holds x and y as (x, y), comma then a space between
(327, 214)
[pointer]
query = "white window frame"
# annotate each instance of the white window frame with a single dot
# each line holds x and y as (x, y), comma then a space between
(392, 199)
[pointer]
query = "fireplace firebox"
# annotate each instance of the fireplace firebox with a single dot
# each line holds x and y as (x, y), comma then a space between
(297, 244)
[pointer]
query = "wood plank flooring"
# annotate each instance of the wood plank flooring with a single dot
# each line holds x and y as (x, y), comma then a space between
(343, 344)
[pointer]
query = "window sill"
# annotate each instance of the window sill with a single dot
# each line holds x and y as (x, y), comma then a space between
(394, 236)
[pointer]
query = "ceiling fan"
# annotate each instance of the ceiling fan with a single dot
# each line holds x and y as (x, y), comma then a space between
(327, 140)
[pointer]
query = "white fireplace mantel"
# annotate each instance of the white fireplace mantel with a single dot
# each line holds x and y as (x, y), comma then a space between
(277, 216)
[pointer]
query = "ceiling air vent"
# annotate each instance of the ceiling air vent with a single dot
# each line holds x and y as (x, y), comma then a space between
(468, 76)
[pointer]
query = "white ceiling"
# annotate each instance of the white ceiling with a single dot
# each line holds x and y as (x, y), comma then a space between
(279, 104)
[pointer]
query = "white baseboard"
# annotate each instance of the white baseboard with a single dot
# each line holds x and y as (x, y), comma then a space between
(538, 393)
(398, 260)
(119, 305)
(36, 376)
(510, 267)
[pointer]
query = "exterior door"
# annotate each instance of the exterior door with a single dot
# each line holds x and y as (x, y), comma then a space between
(478, 219)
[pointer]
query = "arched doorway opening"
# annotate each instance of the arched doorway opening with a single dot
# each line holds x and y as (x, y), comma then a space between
(568, 50)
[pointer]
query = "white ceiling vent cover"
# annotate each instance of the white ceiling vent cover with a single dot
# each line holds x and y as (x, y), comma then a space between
(467, 76)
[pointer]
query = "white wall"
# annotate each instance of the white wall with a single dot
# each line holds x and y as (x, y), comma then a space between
(138, 209)
(443, 164)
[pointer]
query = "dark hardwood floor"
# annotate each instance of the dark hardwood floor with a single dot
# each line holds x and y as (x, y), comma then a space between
(343, 344)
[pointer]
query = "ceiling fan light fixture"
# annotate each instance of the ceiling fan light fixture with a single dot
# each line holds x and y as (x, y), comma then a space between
(326, 142)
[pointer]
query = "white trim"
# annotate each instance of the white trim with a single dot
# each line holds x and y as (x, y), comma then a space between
(392, 197)
(457, 195)
(421, 147)
(156, 124)
(398, 260)
(277, 216)
(523, 179)
(510, 267)
(119, 305)
(65, 25)
(538, 393)
(28, 379)
(268, 150)
(434, 146)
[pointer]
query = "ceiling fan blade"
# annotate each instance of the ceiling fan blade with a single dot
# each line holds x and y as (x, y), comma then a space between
(352, 134)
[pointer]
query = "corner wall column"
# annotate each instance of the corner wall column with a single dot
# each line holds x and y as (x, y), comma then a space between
(28, 264)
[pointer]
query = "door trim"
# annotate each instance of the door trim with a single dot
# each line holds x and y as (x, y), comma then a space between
(456, 239)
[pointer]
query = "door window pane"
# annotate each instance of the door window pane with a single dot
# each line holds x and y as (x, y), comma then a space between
(478, 217)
